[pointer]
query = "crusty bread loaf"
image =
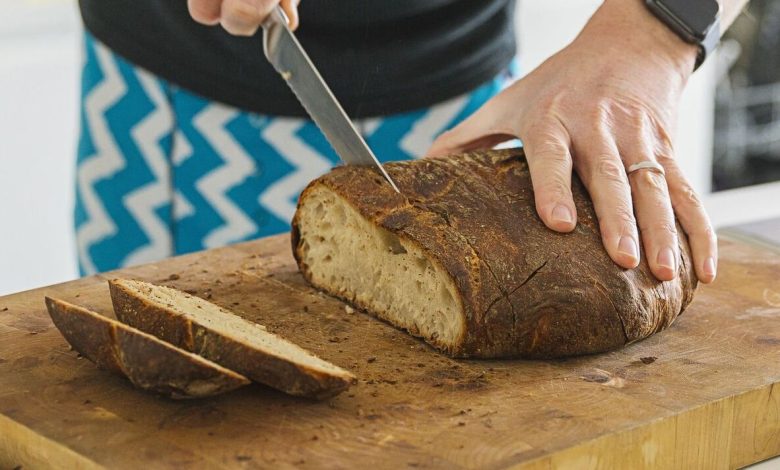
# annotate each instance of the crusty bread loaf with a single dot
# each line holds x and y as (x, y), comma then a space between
(149, 363)
(461, 258)
(204, 328)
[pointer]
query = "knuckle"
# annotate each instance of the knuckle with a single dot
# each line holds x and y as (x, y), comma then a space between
(602, 110)
(610, 169)
(689, 196)
(554, 152)
(650, 180)
(635, 119)
(554, 189)
(664, 228)
(201, 13)
(623, 219)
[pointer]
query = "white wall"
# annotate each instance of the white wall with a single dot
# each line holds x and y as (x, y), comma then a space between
(39, 58)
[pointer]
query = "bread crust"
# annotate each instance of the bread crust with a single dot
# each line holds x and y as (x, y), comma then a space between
(282, 373)
(526, 291)
(150, 364)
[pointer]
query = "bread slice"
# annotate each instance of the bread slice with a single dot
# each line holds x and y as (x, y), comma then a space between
(204, 328)
(149, 363)
(461, 258)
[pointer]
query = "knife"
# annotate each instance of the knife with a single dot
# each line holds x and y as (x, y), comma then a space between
(285, 53)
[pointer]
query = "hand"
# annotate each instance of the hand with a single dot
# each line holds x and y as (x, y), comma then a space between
(240, 17)
(603, 103)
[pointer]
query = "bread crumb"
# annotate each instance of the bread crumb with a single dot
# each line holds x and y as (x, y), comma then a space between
(349, 309)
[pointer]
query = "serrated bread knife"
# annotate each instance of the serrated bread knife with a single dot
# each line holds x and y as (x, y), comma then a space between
(289, 59)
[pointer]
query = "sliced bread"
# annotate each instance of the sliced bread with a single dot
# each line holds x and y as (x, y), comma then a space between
(148, 362)
(215, 333)
(461, 258)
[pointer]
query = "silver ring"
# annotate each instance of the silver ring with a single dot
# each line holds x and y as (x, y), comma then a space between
(646, 165)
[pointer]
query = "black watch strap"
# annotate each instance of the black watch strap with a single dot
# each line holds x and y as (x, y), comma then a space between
(694, 21)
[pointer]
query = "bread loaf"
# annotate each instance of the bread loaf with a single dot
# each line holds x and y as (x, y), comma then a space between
(149, 363)
(461, 259)
(208, 330)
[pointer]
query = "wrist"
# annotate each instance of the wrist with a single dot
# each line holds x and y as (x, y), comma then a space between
(629, 25)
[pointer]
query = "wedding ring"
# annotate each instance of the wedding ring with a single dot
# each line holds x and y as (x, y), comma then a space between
(646, 165)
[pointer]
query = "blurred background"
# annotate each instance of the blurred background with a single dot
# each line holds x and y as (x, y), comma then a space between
(728, 139)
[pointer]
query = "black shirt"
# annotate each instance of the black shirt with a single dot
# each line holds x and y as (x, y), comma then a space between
(379, 57)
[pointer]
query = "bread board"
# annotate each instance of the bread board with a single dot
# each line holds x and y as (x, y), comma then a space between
(702, 394)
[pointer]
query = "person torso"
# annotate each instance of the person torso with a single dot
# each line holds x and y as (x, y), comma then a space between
(379, 56)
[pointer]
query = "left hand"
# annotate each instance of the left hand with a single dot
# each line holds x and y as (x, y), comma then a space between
(603, 103)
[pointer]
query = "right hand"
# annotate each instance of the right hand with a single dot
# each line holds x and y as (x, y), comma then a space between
(240, 17)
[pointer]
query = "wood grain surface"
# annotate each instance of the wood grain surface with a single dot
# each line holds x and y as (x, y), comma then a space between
(703, 394)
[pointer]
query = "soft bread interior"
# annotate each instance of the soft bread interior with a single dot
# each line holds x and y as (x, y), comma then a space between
(352, 258)
(228, 324)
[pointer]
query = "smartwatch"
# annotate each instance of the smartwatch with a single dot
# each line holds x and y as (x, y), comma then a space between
(695, 21)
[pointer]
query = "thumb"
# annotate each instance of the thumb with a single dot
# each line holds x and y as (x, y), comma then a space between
(486, 128)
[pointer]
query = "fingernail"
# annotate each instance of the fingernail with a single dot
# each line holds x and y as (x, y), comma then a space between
(709, 266)
(667, 259)
(562, 213)
(627, 246)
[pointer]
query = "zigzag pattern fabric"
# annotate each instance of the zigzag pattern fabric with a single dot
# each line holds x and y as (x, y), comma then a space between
(162, 171)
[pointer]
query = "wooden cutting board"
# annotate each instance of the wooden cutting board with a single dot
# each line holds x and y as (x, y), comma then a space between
(703, 394)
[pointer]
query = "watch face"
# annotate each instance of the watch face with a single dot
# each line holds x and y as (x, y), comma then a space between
(696, 14)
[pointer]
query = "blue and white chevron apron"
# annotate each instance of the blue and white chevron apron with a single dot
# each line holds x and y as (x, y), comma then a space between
(162, 171)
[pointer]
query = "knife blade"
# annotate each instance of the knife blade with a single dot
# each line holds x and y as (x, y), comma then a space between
(285, 53)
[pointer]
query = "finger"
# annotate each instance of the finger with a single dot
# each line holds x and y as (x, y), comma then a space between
(694, 221)
(601, 170)
(485, 128)
(243, 17)
(639, 141)
(205, 11)
(290, 8)
(655, 218)
(547, 151)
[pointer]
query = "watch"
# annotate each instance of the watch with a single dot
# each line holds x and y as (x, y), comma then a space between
(695, 21)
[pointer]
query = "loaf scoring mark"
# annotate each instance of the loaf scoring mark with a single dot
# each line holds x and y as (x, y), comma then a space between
(533, 274)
